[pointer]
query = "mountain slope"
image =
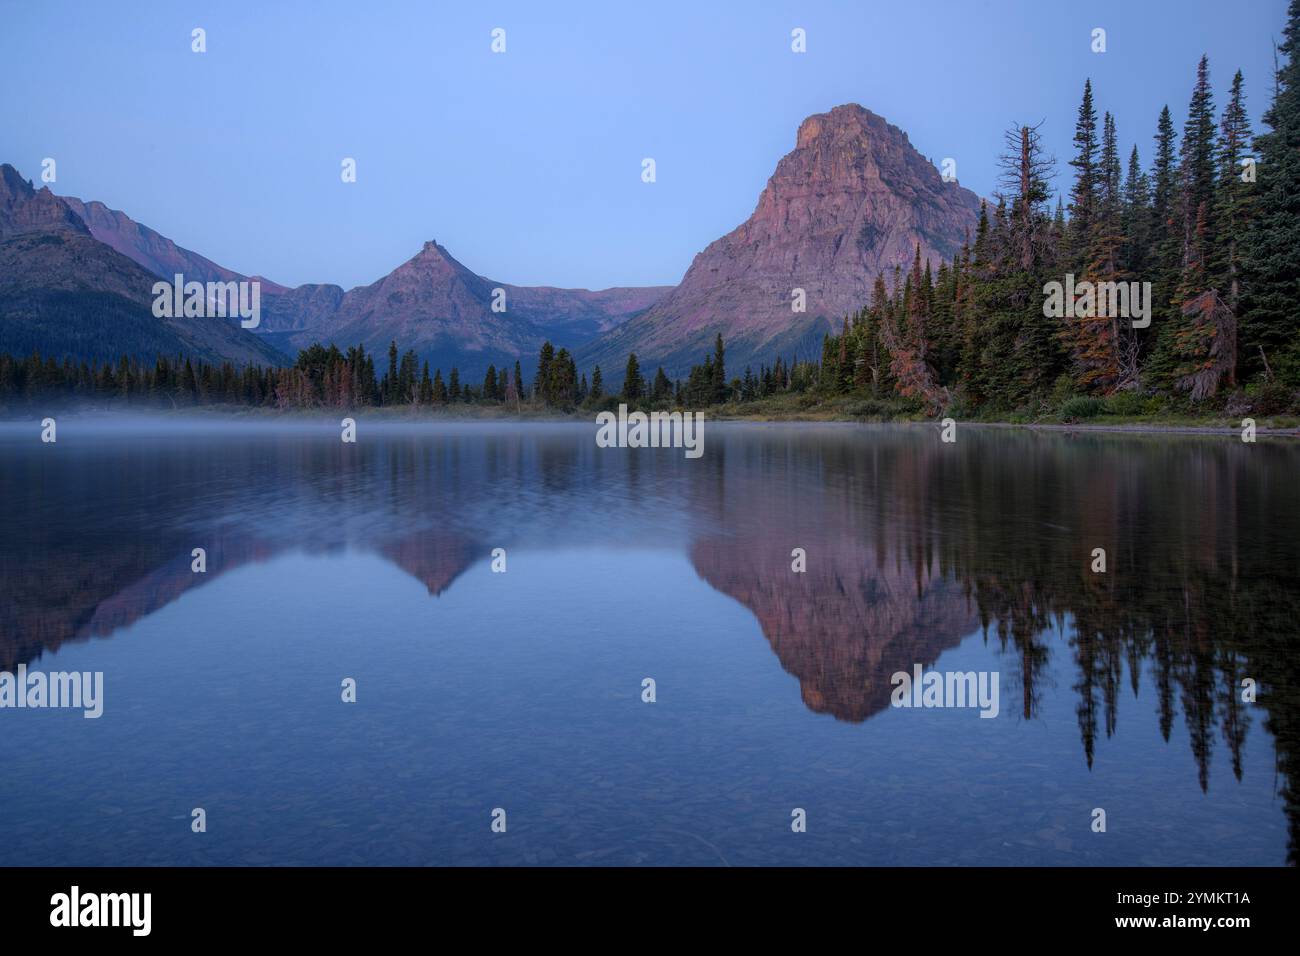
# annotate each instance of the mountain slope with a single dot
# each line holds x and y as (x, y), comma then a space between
(68, 295)
(851, 200)
(435, 305)
(431, 303)
(151, 249)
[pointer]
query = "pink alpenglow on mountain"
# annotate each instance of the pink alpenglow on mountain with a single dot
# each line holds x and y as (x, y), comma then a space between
(435, 305)
(851, 200)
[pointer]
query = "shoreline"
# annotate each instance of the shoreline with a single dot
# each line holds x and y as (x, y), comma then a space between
(259, 417)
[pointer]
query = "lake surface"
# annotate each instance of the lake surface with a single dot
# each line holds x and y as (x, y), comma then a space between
(522, 690)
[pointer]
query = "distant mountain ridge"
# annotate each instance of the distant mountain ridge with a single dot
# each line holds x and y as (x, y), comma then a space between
(853, 199)
(438, 307)
(154, 251)
(431, 303)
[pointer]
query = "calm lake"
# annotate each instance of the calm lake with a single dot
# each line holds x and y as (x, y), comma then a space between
(475, 689)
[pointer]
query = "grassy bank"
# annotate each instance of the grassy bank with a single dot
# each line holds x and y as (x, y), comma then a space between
(806, 407)
(1087, 413)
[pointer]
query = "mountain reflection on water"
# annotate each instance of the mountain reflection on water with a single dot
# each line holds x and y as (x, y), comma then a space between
(913, 547)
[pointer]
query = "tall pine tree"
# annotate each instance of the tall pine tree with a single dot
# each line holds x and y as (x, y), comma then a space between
(1271, 331)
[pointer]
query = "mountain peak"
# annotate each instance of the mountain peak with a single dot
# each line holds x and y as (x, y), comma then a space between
(433, 263)
(853, 199)
(435, 257)
(26, 209)
(12, 183)
(841, 123)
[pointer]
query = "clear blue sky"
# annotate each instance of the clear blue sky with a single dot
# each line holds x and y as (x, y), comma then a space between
(526, 165)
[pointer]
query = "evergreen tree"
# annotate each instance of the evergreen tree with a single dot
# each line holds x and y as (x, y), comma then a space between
(1164, 251)
(719, 372)
(189, 384)
(1233, 199)
(662, 389)
(562, 386)
(370, 387)
(872, 371)
(544, 359)
(1186, 344)
(426, 386)
(908, 344)
(1136, 216)
(844, 361)
(1111, 196)
(828, 369)
(1164, 183)
(1271, 331)
(1009, 350)
(1196, 173)
(1102, 341)
(1083, 197)
(406, 381)
(390, 380)
(633, 383)
(976, 270)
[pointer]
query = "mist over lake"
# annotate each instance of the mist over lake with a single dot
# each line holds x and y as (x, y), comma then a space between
(522, 689)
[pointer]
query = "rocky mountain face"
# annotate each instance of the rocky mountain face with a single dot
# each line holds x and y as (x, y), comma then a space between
(307, 306)
(26, 209)
(66, 294)
(430, 303)
(438, 307)
(853, 199)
